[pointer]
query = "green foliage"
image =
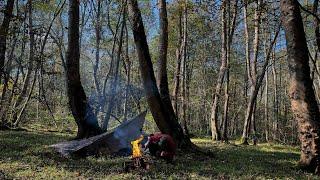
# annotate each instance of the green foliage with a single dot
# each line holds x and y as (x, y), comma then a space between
(48, 6)
(150, 125)
(26, 155)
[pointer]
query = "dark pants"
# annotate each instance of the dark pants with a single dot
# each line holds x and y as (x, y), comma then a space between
(154, 149)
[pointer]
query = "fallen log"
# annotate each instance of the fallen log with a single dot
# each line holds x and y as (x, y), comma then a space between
(109, 142)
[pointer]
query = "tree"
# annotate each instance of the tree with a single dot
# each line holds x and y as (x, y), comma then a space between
(27, 77)
(230, 28)
(39, 64)
(316, 22)
(303, 101)
(175, 92)
(98, 29)
(252, 70)
(162, 78)
(4, 28)
(184, 68)
(214, 109)
(82, 112)
(166, 121)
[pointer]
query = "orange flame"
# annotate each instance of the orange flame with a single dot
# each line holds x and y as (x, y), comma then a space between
(136, 152)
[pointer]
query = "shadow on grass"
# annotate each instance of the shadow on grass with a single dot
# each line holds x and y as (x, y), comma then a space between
(249, 162)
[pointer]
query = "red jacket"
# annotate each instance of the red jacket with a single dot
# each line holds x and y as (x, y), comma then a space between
(171, 146)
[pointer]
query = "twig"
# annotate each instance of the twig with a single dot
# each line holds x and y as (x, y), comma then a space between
(309, 12)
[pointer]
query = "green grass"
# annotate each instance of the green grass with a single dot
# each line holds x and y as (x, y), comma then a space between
(26, 155)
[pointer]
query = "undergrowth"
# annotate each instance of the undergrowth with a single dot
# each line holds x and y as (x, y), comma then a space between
(25, 154)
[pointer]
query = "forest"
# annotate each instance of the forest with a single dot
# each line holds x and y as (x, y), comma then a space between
(231, 89)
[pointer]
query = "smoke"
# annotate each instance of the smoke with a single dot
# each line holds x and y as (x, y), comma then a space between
(99, 102)
(129, 131)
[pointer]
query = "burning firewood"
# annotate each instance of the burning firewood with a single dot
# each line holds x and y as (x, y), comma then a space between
(138, 161)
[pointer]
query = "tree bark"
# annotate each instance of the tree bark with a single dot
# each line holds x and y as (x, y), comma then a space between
(166, 121)
(162, 78)
(128, 73)
(266, 99)
(257, 85)
(230, 30)
(214, 109)
(252, 72)
(303, 101)
(175, 93)
(226, 20)
(248, 76)
(81, 110)
(275, 99)
(247, 41)
(316, 22)
(4, 28)
(4, 103)
(98, 29)
(184, 68)
(25, 104)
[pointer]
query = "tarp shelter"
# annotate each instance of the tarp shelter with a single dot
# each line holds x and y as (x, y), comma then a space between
(112, 141)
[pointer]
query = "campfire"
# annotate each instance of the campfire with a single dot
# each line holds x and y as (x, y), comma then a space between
(136, 151)
(138, 161)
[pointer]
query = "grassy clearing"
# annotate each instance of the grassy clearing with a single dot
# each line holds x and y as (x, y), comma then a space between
(25, 155)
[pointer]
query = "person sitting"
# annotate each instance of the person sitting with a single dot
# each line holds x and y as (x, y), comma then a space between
(162, 146)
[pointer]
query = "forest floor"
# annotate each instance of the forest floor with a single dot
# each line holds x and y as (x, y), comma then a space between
(25, 155)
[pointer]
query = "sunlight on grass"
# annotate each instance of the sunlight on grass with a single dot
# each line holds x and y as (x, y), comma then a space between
(25, 155)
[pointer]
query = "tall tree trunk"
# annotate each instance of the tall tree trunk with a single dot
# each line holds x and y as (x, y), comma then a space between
(275, 98)
(266, 99)
(253, 97)
(247, 42)
(252, 73)
(316, 62)
(166, 121)
(4, 103)
(4, 117)
(175, 93)
(4, 28)
(24, 105)
(254, 77)
(230, 30)
(162, 78)
(98, 28)
(214, 109)
(184, 68)
(316, 22)
(128, 72)
(81, 110)
(248, 76)
(226, 109)
(302, 96)
(226, 20)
